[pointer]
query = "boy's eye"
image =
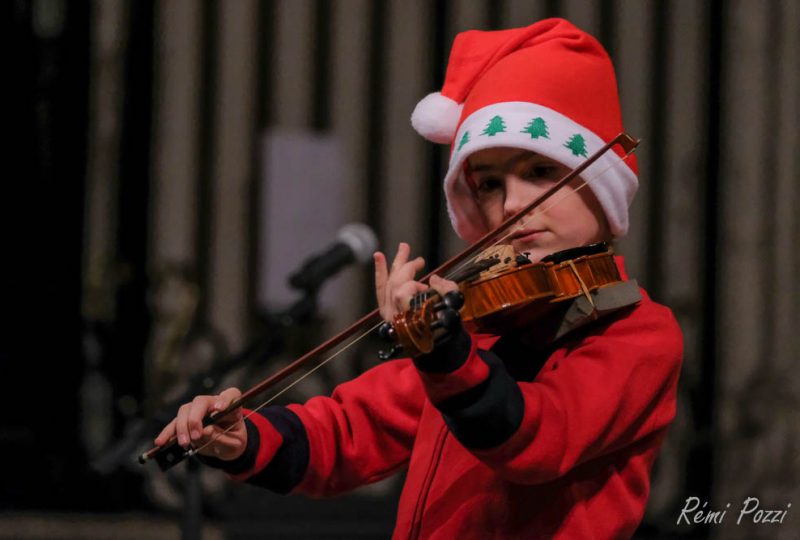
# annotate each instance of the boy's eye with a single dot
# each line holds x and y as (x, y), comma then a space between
(489, 184)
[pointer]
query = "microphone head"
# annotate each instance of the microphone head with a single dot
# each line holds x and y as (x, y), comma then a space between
(359, 238)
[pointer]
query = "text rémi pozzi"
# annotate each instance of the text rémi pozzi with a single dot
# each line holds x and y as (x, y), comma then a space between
(694, 512)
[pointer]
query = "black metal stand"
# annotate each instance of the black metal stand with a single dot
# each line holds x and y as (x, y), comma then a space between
(192, 518)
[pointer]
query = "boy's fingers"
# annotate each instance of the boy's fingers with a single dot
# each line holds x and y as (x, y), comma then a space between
(415, 266)
(181, 426)
(381, 276)
(200, 406)
(188, 426)
(401, 257)
(166, 433)
(407, 272)
(223, 401)
(442, 286)
(232, 393)
(213, 434)
(401, 297)
(226, 397)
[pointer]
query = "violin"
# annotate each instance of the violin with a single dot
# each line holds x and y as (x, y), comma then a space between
(493, 299)
(515, 292)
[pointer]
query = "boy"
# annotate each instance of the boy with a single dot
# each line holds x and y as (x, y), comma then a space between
(521, 435)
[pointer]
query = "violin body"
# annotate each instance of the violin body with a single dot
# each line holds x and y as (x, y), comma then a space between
(528, 292)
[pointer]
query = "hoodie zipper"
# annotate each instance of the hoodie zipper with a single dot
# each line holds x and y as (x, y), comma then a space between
(416, 522)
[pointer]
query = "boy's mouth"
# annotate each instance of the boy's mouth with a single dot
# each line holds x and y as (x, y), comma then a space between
(527, 235)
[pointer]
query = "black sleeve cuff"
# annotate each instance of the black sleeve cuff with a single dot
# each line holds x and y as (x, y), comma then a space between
(447, 356)
(243, 462)
(488, 414)
(288, 466)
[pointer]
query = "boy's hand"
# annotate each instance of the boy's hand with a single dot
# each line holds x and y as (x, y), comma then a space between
(188, 427)
(395, 287)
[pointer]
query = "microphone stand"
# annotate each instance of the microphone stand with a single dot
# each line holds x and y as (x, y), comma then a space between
(270, 343)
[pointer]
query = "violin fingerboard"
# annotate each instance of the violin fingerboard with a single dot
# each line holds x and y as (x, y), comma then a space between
(473, 270)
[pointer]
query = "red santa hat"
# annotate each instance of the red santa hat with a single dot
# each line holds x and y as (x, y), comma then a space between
(549, 88)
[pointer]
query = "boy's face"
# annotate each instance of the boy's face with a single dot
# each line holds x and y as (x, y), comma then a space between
(504, 180)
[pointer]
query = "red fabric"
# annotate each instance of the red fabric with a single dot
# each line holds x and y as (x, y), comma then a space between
(269, 443)
(551, 62)
(577, 467)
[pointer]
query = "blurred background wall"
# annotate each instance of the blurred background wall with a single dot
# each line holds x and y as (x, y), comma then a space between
(169, 162)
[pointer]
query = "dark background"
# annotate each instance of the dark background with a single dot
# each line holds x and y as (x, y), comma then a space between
(136, 156)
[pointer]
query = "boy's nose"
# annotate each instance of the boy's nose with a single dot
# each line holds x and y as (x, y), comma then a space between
(517, 197)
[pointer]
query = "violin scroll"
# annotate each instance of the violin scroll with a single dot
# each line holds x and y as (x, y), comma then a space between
(418, 330)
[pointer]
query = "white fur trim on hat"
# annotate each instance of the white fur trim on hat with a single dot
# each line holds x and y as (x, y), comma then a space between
(542, 130)
(435, 117)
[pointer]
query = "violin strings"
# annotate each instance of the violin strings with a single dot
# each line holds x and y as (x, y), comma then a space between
(351, 343)
(537, 211)
(272, 398)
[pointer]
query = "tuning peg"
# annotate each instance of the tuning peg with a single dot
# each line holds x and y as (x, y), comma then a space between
(448, 319)
(454, 300)
(386, 332)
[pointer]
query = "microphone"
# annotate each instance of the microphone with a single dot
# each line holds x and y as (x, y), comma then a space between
(355, 242)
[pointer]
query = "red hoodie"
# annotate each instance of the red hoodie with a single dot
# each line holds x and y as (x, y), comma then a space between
(502, 443)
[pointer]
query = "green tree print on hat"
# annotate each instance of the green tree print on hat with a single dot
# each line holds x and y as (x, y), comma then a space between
(537, 128)
(464, 140)
(496, 125)
(577, 145)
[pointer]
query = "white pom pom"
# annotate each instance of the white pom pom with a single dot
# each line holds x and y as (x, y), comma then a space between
(435, 117)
